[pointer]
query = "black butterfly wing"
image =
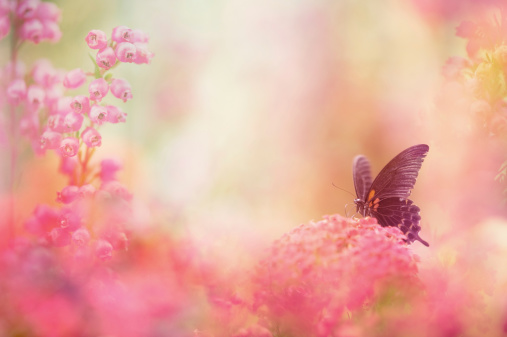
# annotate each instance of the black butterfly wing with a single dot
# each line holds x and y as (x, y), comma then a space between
(401, 213)
(387, 199)
(398, 177)
(361, 171)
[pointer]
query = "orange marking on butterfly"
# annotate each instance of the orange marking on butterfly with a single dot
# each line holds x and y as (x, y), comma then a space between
(371, 195)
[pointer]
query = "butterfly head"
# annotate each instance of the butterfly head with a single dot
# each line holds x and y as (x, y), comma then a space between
(360, 206)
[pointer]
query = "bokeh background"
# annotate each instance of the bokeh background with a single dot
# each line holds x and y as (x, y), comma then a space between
(251, 110)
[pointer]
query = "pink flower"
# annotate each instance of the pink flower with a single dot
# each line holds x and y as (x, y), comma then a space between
(5, 25)
(57, 123)
(91, 137)
(48, 11)
(143, 55)
(59, 237)
(138, 35)
(106, 58)
(43, 73)
(115, 115)
(121, 34)
(16, 91)
(26, 9)
(125, 52)
(108, 169)
(35, 96)
(5, 7)
(67, 165)
(43, 219)
(73, 121)
(69, 218)
(68, 194)
(96, 39)
(103, 250)
(69, 146)
(62, 106)
(74, 79)
(87, 191)
(116, 189)
(51, 31)
(50, 139)
(81, 237)
(80, 104)
(319, 271)
(31, 30)
(121, 89)
(98, 114)
(98, 88)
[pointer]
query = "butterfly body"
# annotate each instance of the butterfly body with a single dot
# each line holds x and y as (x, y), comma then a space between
(386, 197)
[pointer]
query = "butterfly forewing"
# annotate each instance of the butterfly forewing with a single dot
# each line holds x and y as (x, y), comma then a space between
(398, 177)
(361, 171)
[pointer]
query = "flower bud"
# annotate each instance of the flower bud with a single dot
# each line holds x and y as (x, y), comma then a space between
(69, 146)
(96, 39)
(105, 58)
(98, 88)
(74, 79)
(121, 89)
(125, 52)
(91, 137)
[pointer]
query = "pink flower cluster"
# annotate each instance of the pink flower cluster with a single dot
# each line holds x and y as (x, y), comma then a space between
(47, 292)
(126, 45)
(320, 273)
(34, 20)
(92, 221)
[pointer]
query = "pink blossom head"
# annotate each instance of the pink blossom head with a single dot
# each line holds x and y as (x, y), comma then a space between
(50, 139)
(121, 89)
(68, 165)
(125, 52)
(26, 9)
(318, 271)
(143, 55)
(108, 169)
(35, 96)
(96, 39)
(98, 88)
(98, 114)
(121, 34)
(80, 104)
(106, 58)
(31, 30)
(139, 36)
(70, 218)
(73, 121)
(57, 123)
(103, 250)
(91, 137)
(74, 79)
(48, 11)
(87, 191)
(43, 73)
(117, 190)
(5, 26)
(16, 91)
(115, 114)
(81, 237)
(59, 237)
(51, 31)
(68, 194)
(69, 146)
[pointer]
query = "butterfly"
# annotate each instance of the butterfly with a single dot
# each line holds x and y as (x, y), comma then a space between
(386, 198)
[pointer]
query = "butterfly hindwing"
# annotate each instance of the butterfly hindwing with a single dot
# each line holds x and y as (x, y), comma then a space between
(397, 212)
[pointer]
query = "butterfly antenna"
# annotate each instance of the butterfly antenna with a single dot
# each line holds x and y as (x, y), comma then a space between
(344, 190)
